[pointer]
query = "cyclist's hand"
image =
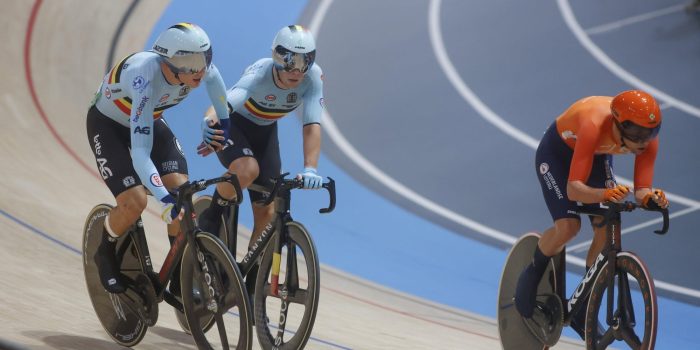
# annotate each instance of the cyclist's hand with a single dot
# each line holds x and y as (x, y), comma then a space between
(216, 135)
(655, 198)
(204, 150)
(616, 194)
(168, 210)
(311, 178)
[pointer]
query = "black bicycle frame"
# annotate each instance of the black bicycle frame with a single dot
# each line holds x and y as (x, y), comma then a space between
(282, 196)
(188, 231)
(610, 212)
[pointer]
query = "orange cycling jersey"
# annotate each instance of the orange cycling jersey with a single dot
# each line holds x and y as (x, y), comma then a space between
(587, 128)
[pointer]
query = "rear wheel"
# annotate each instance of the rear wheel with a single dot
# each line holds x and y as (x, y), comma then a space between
(298, 292)
(212, 289)
(635, 312)
(514, 332)
(121, 322)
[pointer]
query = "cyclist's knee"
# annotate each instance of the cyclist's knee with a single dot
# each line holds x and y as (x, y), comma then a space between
(132, 202)
(567, 228)
(246, 169)
(174, 180)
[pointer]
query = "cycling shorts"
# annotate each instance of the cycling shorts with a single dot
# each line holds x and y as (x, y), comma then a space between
(110, 143)
(256, 141)
(552, 164)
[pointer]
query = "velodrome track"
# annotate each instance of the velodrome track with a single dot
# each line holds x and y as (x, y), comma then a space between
(56, 50)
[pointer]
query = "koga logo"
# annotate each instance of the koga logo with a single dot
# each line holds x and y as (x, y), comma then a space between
(142, 130)
(155, 180)
(581, 287)
(544, 168)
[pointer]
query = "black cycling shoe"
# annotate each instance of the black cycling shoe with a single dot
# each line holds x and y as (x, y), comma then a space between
(208, 222)
(526, 292)
(107, 265)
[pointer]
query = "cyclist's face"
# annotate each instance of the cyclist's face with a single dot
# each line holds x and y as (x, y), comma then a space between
(290, 79)
(192, 79)
(636, 147)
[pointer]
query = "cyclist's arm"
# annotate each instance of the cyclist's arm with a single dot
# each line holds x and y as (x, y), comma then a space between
(644, 170)
(312, 145)
(581, 163)
(217, 93)
(141, 127)
(311, 118)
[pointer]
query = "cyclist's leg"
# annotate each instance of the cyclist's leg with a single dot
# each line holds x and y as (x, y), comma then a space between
(169, 159)
(238, 159)
(601, 177)
(552, 163)
(266, 147)
(109, 142)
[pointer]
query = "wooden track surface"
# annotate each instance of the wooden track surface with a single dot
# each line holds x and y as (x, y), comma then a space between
(49, 184)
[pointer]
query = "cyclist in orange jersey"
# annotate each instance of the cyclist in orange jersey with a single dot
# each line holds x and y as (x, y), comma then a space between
(574, 167)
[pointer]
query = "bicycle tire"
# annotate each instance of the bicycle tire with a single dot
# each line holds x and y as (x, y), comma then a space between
(200, 203)
(512, 330)
(220, 263)
(123, 325)
(301, 239)
(628, 264)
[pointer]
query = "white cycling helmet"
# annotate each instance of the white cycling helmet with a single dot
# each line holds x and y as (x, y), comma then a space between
(294, 48)
(185, 48)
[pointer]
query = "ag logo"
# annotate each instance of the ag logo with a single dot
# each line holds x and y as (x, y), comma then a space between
(145, 130)
(544, 168)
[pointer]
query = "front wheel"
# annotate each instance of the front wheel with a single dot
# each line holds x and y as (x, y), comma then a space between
(298, 292)
(212, 288)
(635, 312)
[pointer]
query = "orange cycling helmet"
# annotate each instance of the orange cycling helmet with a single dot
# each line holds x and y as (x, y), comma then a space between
(637, 115)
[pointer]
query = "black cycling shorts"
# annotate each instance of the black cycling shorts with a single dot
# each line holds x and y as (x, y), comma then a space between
(553, 163)
(111, 142)
(257, 141)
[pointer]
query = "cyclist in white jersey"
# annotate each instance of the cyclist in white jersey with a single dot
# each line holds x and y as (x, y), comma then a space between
(268, 90)
(133, 145)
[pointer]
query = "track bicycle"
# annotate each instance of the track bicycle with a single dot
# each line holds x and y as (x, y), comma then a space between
(621, 297)
(210, 282)
(284, 263)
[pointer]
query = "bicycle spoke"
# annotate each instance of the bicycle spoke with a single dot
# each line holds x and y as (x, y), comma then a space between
(630, 337)
(222, 330)
(282, 321)
(298, 296)
(606, 338)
